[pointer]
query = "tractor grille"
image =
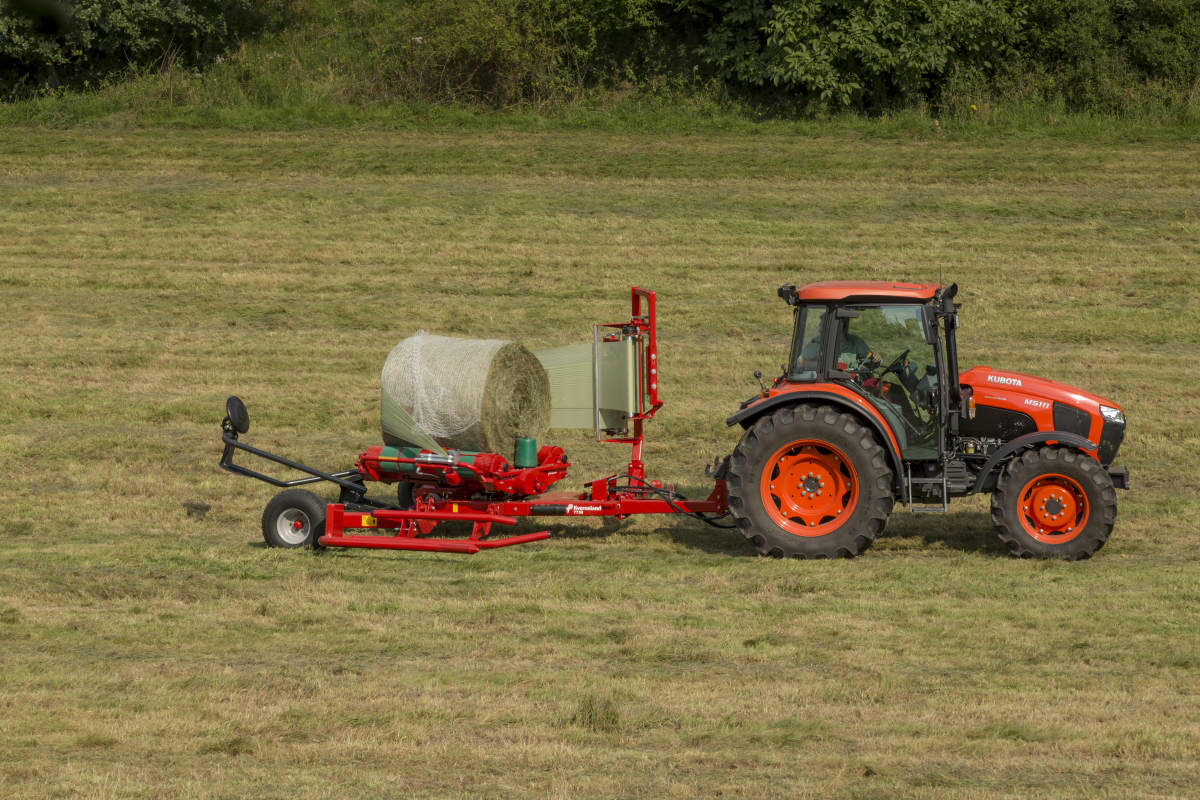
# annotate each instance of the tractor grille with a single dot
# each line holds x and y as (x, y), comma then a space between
(1111, 436)
(1072, 420)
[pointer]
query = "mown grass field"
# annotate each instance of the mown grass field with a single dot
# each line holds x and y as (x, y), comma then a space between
(146, 274)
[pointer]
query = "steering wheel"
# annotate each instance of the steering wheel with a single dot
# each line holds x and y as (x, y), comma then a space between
(895, 365)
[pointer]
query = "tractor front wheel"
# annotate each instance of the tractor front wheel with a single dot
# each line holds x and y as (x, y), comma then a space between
(294, 518)
(1054, 502)
(809, 482)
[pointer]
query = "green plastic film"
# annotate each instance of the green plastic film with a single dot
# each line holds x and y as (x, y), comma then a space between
(572, 378)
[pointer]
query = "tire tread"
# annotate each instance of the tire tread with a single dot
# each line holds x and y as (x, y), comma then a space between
(1023, 468)
(875, 483)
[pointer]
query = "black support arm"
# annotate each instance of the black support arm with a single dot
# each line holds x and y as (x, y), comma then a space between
(229, 437)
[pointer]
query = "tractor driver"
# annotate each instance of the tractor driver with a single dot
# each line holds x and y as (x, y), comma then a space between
(848, 343)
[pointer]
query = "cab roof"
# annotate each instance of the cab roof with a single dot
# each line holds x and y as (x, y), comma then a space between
(863, 290)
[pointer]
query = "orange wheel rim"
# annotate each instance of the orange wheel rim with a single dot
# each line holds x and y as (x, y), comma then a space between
(1053, 508)
(809, 488)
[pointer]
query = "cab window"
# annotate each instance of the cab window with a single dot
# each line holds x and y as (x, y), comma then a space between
(806, 343)
(884, 352)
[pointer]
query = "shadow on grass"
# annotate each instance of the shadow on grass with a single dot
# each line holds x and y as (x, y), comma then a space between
(679, 529)
(963, 531)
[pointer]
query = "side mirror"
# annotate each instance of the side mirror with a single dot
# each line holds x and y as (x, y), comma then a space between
(967, 398)
(235, 412)
(789, 294)
(929, 325)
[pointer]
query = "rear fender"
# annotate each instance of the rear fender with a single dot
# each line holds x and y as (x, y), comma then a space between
(864, 413)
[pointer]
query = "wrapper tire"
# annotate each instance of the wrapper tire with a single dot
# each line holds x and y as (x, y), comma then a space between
(294, 518)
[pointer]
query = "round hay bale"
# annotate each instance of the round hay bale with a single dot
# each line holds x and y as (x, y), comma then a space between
(468, 394)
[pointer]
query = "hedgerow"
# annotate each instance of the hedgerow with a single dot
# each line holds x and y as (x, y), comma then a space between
(785, 56)
(874, 53)
(102, 37)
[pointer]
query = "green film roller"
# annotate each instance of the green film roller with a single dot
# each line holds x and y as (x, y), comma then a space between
(526, 455)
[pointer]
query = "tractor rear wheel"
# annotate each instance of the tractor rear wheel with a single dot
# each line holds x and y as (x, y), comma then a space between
(809, 482)
(1054, 502)
(294, 518)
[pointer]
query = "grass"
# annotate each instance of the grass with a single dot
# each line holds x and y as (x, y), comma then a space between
(149, 650)
(168, 99)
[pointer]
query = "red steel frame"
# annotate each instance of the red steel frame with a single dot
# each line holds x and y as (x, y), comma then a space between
(619, 495)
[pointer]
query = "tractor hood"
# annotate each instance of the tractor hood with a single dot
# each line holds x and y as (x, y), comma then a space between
(1010, 404)
(1014, 389)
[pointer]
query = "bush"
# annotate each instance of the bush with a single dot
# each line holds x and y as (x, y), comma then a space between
(855, 53)
(502, 52)
(874, 53)
(1099, 51)
(1122, 57)
(109, 36)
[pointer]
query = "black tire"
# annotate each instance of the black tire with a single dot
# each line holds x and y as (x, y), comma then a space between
(1090, 477)
(294, 518)
(864, 458)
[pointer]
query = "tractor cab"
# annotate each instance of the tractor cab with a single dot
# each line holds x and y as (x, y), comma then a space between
(880, 341)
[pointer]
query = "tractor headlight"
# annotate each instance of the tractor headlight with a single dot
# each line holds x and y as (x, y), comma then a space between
(1112, 414)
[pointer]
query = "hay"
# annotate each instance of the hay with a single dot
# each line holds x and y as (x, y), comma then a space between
(467, 394)
(516, 400)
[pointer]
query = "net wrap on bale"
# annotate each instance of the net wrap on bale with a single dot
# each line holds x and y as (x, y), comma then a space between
(467, 394)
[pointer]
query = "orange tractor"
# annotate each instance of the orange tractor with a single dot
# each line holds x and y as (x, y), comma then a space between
(871, 408)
